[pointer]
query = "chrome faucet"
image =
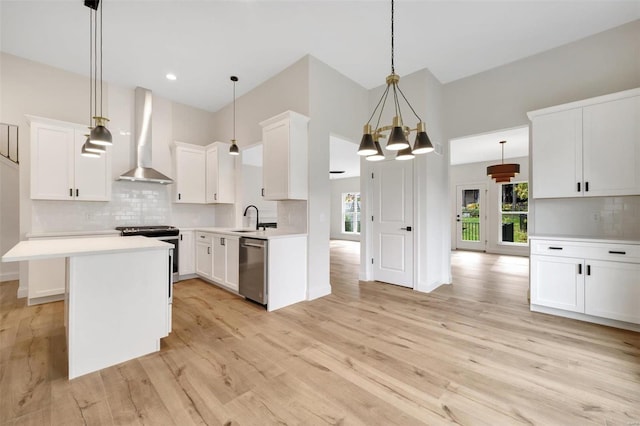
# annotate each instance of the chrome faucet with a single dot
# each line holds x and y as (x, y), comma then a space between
(257, 214)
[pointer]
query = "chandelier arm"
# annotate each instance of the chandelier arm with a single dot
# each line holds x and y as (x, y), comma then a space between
(378, 105)
(405, 99)
(386, 93)
(397, 104)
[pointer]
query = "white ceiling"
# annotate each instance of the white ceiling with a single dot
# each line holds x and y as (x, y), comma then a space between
(343, 156)
(205, 42)
(486, 147)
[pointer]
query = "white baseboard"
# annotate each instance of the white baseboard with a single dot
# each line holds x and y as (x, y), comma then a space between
(315, 293)
(9, 276)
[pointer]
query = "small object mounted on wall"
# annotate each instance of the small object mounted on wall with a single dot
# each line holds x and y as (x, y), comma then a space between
(233, 150)
(503, 172)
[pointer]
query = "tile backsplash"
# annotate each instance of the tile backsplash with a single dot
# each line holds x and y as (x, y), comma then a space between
(132, 203)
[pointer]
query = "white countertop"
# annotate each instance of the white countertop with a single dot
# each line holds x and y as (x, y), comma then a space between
(268, 234)
(45, 249)
(583, 239)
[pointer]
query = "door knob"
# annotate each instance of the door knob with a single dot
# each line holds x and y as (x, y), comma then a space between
(408, 228)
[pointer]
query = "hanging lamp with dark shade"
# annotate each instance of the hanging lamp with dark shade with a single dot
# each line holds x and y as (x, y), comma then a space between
(90, 149)
(398, 133)
(99, 135)
(503, 172)
(233, 149)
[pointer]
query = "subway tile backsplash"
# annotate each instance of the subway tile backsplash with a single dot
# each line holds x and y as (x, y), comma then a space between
(132, 203)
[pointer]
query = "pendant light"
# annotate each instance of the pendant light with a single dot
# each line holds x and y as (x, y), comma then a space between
(503, 172)
(233, 150)
(100, 135)
(397, 140)
(90, 149)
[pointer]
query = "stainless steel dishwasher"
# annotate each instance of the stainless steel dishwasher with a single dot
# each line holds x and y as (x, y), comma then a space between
(253, 269)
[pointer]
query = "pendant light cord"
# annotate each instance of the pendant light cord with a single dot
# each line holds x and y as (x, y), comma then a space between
(95, 62)
(393, 68)
(234, 110)
(90, 66)
(101, 3)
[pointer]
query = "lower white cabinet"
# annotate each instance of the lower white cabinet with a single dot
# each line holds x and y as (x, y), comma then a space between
(47, 277)
(591, 279)
(217, 258)
(204, 254)
(186, 254)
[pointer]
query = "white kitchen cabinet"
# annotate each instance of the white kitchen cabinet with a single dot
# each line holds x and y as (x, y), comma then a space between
(612, 290)
(226, 263)
(190, 166)
(285, 146)
(587, 148)
(586, 279)
(46, 277)
(220, 174)
(186, 254)
(204, 254)
(58, 171)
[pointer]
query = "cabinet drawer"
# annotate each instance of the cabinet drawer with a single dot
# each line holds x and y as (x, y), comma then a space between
(204, 237)
(587, 250)
(617, 252)
(558, 248)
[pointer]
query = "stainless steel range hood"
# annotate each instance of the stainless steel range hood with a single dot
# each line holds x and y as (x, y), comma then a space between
(143, 172)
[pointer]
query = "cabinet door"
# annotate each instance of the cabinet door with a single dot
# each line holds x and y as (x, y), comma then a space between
(219, 259)
(611, 147)
(92, 175)
(232, 262)
(612, 290)
(190, 175)
(203, 259)
(557, 155)
(52, 162)
(186, 254)
(226, 175)
(212, 175)
(275, 139)
(558, 282)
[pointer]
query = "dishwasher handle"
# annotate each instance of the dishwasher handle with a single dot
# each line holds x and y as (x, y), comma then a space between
(251, 243)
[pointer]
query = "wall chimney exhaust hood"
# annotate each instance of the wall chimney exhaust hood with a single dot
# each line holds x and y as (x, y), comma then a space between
(143, 172)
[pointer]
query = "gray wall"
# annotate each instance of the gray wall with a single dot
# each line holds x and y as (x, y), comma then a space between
(500, 98)
(339, 187)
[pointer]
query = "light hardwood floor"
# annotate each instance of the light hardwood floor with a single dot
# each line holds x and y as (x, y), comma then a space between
(369, 354)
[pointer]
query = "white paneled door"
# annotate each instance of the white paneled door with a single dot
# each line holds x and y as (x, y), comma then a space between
(392, 221)
(470, 217)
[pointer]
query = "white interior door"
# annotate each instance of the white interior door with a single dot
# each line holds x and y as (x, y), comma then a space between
(470, 217)
(392, 231)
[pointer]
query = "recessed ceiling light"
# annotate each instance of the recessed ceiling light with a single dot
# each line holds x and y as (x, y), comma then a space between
(171, 77)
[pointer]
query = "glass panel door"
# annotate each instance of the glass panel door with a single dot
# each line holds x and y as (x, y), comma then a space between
(470, 217)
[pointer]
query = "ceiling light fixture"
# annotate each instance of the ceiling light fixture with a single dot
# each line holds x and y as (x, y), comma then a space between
(233, 150)
(90, 149)
(397, 140)
(171, 77)
(100, 135)
(503, 172)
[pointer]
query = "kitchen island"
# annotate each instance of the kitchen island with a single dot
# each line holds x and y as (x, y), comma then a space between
(117, 296)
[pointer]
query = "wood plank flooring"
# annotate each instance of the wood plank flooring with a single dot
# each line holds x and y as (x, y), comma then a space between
(369, 354)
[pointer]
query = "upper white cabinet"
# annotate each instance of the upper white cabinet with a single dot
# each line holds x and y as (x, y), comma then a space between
(587, 148)
(58, 171)
(190, 173)
(220, 174)
(285, 144)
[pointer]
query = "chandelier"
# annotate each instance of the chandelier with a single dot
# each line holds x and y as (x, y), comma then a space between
(503, 172)
(99, 137)
(397, 139)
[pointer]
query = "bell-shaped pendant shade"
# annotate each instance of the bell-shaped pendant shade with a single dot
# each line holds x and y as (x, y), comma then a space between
(422, 144)
(378, 156)
(100, 135)
(405, 154)
(233, 150)
(92, 147)
(397, 139)
(86, 153)
(367, 147)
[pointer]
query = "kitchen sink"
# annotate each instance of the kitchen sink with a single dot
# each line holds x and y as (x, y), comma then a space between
(243, 230)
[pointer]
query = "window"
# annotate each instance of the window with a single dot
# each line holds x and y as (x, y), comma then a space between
(351, 213)
(514, 213)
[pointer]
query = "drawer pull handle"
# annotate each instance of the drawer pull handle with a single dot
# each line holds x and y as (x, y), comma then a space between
(617, 252)
(201, 236)
(555, 248)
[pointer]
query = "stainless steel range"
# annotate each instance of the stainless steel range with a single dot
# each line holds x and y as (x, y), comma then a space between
(169, 234)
